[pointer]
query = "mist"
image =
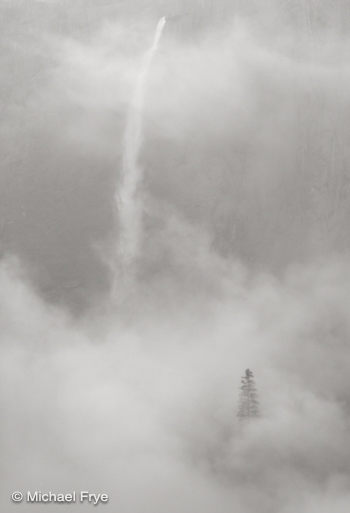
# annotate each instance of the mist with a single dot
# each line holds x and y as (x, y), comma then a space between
(239, 255)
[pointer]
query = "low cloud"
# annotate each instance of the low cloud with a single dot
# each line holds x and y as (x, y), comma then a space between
(143, 405)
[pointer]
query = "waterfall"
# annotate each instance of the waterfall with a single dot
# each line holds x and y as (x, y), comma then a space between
(128, 202)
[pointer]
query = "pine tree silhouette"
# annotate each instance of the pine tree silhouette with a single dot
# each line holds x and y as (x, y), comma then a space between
(248, 400)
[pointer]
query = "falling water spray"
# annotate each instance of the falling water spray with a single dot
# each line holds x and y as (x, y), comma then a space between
(128, 201)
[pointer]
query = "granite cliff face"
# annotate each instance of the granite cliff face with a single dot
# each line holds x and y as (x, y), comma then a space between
(248, 104)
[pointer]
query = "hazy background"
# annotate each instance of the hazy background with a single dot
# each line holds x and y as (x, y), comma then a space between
(244, 258)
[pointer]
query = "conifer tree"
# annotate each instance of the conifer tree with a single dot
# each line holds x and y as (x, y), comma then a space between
(248, 400)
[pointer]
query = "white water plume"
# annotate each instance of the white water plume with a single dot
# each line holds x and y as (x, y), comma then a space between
(128, 201)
